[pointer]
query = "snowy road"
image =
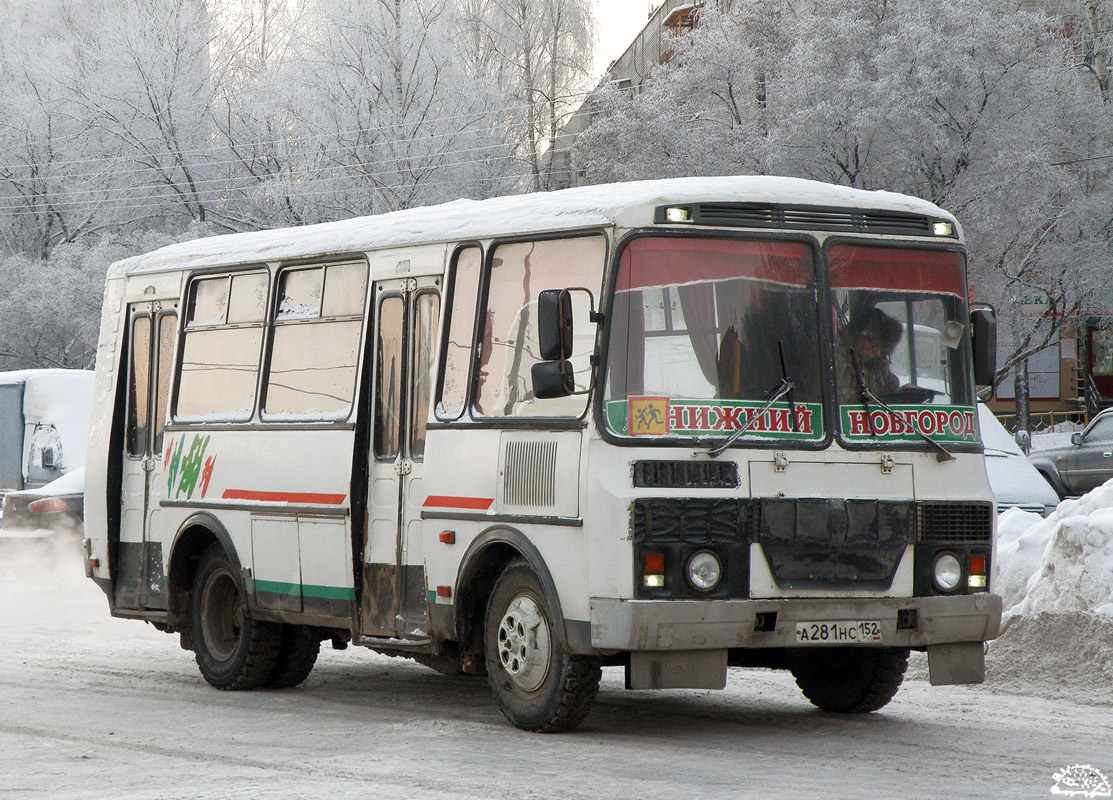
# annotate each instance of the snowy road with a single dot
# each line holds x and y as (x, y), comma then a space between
(92, 707)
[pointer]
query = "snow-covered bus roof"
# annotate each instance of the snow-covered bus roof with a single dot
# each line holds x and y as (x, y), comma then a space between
(626, 204)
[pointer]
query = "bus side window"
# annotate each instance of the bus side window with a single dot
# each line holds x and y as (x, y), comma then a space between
(519, 272)
(138, 386)
(459, 332)
(311, 373)
(427, 309)
(223, 338)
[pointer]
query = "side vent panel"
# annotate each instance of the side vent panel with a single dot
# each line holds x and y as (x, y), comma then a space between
(529, 474)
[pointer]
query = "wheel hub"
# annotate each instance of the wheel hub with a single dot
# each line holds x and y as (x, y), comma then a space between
(223, 615)
(524, 645)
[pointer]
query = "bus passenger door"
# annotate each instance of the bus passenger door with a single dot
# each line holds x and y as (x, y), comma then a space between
(406, 317)
(152, 334)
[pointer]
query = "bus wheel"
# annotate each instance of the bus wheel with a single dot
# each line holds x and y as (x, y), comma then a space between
(539, 686)
(233, 650)
(850, 680)
(296, 656)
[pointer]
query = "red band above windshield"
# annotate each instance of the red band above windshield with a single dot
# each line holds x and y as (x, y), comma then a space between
(652, 261)
(896, 269)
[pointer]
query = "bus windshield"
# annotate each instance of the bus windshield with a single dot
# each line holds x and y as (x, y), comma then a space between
(705, 331)
(899, 320)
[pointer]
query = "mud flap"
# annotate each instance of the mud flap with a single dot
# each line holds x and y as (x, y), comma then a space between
(677, 669)
(958, 662)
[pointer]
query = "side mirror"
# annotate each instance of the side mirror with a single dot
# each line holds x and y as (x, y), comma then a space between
(554, 324)
(983, 337)
(1076, 438)
(553, 379)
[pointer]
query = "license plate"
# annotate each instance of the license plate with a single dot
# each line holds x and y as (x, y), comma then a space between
(838, 632)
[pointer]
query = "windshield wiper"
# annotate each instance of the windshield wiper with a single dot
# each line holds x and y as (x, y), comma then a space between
(942, 454)
(783, 388)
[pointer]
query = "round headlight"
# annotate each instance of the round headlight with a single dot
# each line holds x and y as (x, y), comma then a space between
(704, 571)
(946, 572)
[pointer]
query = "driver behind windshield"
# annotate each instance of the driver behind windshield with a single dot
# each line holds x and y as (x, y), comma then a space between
(867, 341)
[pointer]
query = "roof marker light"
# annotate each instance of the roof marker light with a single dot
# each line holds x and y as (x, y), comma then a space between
(676, 214)
(941, 228)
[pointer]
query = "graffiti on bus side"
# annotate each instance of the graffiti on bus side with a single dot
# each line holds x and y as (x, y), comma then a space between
(186, 468)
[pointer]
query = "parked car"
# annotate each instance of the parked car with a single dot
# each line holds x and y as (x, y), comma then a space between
(1084, 464)
(58, 506)
(1015, 482)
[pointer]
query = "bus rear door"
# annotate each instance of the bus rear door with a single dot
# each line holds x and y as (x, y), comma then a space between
(152, 334)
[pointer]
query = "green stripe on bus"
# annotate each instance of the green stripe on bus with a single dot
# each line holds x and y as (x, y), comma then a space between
(306, 590)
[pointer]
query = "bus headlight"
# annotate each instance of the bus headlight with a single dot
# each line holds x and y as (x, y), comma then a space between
(946, 572)
(704, 571)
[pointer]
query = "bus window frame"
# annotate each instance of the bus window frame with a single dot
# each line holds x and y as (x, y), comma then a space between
(270, 322)
(447, 300)
(819, 279)
(175, 422)
(532, 421)
(831, 405)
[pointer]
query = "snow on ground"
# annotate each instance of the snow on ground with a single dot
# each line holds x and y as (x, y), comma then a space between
(1055, 577)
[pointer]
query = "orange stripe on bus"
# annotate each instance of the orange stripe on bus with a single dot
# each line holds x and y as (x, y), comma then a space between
(442, 501)
(284, 497)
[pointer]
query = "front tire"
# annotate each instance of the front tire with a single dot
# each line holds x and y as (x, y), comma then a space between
(539, 686)
(849, 680)
(233, 651)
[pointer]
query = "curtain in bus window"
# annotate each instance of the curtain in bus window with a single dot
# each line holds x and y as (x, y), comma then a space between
(461, 333)
(519, 272)
(139, 386)
(427, 307)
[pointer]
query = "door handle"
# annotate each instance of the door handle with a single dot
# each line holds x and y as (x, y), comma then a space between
(1107, 454)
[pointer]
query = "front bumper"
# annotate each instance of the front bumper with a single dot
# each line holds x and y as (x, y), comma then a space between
(642, 625)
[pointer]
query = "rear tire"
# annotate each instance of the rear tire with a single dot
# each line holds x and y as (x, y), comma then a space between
(539, 686)
(233, 651)
(849, 680)
(296, 656)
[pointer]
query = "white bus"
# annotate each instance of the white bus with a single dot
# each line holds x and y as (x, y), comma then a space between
(533, 436)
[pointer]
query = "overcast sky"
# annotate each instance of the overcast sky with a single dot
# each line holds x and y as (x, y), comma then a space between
(617, 23)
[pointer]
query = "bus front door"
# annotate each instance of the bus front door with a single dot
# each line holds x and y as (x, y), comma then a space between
(406, 317)
(152, 333)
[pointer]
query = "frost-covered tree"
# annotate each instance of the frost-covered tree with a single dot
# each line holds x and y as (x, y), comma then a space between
(539, 52)
(972, 104)
(144, 85)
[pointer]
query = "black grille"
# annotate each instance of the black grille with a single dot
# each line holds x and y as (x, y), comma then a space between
(685, 475)
(786, 217)
(692, 520)
(954, 523)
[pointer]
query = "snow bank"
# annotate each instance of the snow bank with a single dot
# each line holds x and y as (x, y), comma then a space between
(1061, 564)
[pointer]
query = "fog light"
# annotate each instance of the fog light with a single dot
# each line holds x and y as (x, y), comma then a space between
(946, 572)
(976, 582)
(704, 571)
(653, 570)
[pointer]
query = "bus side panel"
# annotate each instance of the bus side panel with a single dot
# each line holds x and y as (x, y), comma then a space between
(102, 489)
(283, 497)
